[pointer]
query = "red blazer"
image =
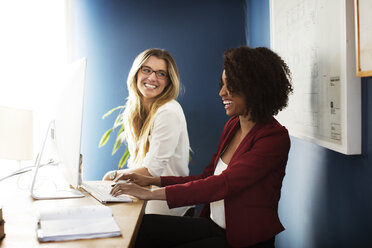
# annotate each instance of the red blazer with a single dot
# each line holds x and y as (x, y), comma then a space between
(250, 186)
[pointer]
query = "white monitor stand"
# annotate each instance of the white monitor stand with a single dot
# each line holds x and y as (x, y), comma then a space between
(48, 194)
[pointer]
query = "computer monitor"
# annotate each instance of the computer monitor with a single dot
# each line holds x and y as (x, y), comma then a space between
(65, 134)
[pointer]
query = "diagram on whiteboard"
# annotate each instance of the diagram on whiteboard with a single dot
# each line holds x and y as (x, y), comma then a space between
(310, 36)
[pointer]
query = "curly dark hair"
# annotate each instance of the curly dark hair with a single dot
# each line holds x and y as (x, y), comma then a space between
(262, 77)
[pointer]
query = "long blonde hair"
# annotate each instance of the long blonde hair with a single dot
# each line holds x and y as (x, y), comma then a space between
(137, 121)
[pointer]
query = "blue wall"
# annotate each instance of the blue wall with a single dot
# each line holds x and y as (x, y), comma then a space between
(258, 12)
(111, 33)
(326, 196)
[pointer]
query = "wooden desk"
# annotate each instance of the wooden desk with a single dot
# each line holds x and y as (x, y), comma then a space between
(20, 215)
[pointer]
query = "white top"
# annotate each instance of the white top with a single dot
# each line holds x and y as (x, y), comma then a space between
(218, 207)
(168, 153)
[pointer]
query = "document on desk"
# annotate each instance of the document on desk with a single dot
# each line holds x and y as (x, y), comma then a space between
(77, 222)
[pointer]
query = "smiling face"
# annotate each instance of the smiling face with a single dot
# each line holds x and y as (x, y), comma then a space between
(234, 103)
(150, 85)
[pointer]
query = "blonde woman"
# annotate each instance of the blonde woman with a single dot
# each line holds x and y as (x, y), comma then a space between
(155, 125)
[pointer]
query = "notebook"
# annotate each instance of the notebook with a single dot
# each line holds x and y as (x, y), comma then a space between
(76, 222)
(100, 190)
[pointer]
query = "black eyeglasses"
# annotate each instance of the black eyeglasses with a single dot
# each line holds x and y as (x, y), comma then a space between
(160, 74)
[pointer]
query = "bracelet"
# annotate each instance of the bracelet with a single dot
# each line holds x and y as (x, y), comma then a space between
(113, 175)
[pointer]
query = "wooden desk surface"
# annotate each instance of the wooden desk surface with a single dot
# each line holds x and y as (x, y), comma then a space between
(20, 215)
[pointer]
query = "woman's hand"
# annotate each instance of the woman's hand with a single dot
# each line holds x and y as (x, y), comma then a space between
(124, 187)
(110, 175)
(131, 189)
(139, 179)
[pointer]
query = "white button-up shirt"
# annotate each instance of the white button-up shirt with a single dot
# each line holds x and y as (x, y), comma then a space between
(168, 153)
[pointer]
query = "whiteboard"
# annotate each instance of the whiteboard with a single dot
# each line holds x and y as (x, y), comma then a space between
(316, 39)
(363, 9)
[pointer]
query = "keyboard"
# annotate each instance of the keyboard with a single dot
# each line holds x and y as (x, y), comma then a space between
(100, 190)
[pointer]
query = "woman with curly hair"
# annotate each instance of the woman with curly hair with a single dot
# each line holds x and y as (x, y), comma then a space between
(240, 188)
(155, 125)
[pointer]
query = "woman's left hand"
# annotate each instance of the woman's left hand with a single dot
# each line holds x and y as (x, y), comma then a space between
(131, 189)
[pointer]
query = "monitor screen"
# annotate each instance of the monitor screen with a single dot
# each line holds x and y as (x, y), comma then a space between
(68, 122)
(64, 134)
